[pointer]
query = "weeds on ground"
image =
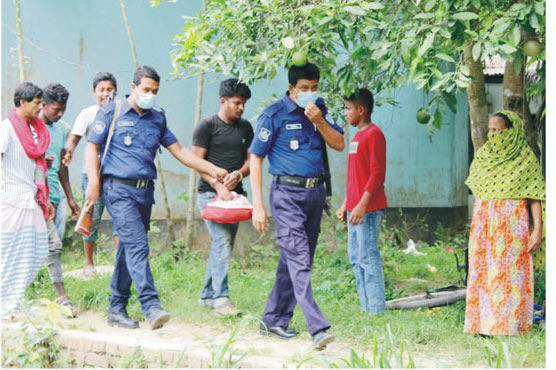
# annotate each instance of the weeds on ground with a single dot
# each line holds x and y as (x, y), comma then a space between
(226, 356)
(540, 285)
(500, 357)
(36, 346)
(134, 360)
(390, 352)
(433, 334)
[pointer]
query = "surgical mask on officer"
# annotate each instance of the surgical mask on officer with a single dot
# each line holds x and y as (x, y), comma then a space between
(306, 97)
(145, 100)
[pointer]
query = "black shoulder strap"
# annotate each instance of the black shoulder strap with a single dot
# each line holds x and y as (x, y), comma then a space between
(326, 175)
(115, 117)
(327, 180)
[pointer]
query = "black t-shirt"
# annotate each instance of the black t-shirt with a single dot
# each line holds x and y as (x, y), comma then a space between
(226, 145)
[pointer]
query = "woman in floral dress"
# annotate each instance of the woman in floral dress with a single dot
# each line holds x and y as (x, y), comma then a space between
(509, 188)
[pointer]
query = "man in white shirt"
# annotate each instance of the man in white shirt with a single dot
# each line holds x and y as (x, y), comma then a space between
(104, 89)
(24, 203)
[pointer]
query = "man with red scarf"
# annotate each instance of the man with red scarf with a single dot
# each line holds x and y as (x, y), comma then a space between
(24, 203)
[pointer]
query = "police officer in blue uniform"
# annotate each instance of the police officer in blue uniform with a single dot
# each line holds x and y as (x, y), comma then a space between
(293, 133)
(128, 175)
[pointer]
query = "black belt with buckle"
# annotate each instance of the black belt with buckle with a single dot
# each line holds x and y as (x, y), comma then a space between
(300, 182)
(136, 183)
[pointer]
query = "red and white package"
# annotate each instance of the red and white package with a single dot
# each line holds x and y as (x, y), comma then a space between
(228, 211)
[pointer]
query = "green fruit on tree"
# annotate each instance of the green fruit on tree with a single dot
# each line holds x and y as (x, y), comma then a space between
(532, 48)
(299, 58)
(423, 116)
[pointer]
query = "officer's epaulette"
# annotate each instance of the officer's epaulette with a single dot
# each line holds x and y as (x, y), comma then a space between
(158, 109)
(273, 108)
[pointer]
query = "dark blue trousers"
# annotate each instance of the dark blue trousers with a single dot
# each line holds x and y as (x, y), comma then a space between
(297, 214)
(130, 209)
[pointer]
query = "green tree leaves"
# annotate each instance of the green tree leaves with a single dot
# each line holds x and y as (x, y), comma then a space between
(382, 45)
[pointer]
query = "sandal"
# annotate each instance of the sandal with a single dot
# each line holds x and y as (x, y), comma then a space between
(68, 304)
(89, 272)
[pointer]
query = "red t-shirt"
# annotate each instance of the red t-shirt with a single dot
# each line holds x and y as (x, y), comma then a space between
(367, 169)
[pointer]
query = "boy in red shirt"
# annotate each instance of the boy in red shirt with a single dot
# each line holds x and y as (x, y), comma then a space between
(365, 201)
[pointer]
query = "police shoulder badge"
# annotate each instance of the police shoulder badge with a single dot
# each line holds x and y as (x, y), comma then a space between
(264, 134)
(99, 127)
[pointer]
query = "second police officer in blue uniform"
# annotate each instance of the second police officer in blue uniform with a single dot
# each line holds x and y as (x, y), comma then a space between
(293, 133)
(128, 175)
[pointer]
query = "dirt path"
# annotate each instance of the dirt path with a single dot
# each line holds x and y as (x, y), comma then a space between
(89, 341)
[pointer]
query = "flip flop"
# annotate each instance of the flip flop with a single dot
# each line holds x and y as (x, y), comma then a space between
(68, 304)
(89, 272)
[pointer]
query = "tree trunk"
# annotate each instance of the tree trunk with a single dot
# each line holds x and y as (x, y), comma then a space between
(516, 101)
(476, 97)
(20, 57)
(192, 189)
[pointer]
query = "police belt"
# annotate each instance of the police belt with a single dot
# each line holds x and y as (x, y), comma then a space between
(300, 182)
(137, 183)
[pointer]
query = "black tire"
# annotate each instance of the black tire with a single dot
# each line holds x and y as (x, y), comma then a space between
(427, 300)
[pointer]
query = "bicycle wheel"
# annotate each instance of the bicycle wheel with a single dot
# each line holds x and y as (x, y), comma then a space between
(427, 300)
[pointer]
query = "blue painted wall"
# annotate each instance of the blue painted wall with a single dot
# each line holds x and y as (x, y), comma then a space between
(70, 40)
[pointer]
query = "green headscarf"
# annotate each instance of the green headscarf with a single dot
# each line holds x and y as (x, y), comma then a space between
(505, 167)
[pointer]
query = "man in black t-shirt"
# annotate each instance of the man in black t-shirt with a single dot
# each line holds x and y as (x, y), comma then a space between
(223, 139)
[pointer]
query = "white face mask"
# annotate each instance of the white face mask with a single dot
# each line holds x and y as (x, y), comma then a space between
(146, 100)
(303, 98)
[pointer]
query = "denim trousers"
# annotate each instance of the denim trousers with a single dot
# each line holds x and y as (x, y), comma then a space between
(97, 213)
(365, 259)
(54, 259)
(222, 237)
(61, 216)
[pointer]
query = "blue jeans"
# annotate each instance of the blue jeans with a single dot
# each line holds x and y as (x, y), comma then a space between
(97, 213)
(366, 261)
(61, 216)
(222, 237)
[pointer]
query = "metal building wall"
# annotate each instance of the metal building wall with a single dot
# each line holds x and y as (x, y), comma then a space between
(70, 40)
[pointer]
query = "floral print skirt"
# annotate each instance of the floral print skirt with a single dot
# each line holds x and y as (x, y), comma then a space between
(500, 283)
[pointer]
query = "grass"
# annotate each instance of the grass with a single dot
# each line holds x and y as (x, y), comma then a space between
(435, 336)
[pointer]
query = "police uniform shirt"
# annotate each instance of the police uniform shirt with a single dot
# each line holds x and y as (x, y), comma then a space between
(136, 138)
(291, 141)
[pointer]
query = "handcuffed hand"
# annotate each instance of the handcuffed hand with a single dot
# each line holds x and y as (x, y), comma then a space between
(231, 180)
(224, 193)
(219, 173)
